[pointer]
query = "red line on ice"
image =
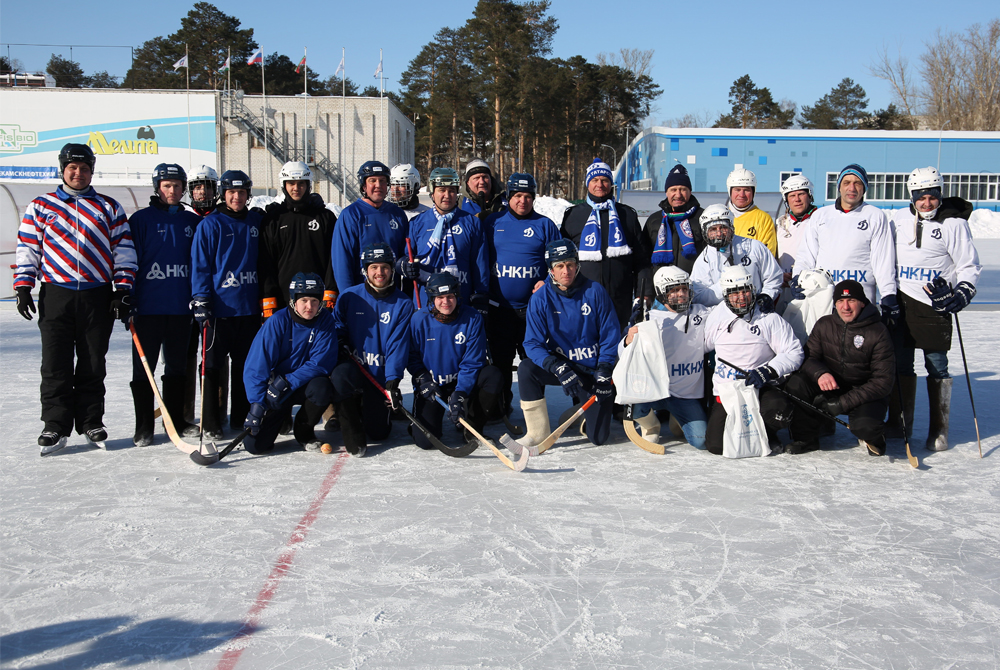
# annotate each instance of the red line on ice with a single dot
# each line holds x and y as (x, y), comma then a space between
(280, 569)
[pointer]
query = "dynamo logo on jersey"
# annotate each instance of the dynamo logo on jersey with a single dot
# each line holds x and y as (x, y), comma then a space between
(385, 317)
(460, 338)
(394, 224)
(755, 329)
(253, 231)
(745, 261)
(313, 225)
(456, 229)
(188, 232)
(529, 232)
(936, 233)
(585, 309)
(862, 225)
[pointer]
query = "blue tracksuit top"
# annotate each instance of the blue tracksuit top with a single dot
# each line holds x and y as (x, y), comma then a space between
(472, 255)
(452, 352)
(376, 330)
(359, 225)
(294, 350)
(582, 327)
(517, 255)
(162, 243)
(224, 263)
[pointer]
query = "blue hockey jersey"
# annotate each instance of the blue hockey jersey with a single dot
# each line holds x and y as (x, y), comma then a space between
(224, 263)
(162, 241)
(581, 326)
(297, 351)
(359, 225)
(452, 352)
(471, 253)
(517, 255)
(376, 330)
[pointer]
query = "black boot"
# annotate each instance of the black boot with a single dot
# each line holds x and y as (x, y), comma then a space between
(304, 426)
(173, 400)
(352, 426)
(142, 399)
(939, 399)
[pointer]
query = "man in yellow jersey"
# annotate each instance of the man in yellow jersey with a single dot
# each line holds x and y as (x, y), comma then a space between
(750, 221)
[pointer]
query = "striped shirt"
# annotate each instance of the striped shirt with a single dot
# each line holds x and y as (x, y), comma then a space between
(77, 242)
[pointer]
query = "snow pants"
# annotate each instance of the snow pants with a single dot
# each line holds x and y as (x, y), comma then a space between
(74, 324)
(505, 333)
(482, 400)
(314, 397)
(532, 380)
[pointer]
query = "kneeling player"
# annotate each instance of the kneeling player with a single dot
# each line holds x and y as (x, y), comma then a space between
(289, 364)
(571, 339)
(373, 321)
(448, 359)
(682, 331)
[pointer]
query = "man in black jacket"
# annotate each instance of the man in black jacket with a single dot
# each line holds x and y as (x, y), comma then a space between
(674, 232)
(613, 250)
(849, 369)
(482, 191)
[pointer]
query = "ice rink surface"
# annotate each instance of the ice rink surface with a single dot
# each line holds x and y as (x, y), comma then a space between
(594, 557)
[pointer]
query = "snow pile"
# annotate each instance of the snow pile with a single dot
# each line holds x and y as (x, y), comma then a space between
(262, 201)
(984, 223)
(554, 208)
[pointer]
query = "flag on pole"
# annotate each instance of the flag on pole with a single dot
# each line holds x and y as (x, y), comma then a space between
(183, 62)
(298, 68)
(378, 70)
(340, 68)
(257, 57)
(225, 66)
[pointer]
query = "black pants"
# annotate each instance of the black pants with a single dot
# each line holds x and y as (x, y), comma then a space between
(532, 380)
(73, 324)
(505, 333)
(362, 409)
(314, 397)
(865, 419)
(229, 338)
(482, 400)
(172, 333)
(775, 408)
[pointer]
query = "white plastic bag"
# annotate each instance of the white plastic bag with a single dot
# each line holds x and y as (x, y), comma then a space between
(641, 374)
(745, 433)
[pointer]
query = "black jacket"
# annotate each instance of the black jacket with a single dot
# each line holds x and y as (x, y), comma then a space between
(296, 238)
(653, 228)
(620, 276)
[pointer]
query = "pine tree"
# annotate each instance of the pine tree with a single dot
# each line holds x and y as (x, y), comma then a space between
(753, 107)
(843, 108)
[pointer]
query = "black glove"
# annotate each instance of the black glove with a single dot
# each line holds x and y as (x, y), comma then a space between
(25, 303)
(604, 387)
(395, 395)
(765, 303)
(481, 303)
(960, 298)
(408, 269)
(200, 310)
(828, 405)
(798, 293)
(458, 406)
(939, 291)
(566, 376)
(758, 377)
(890, 310)
(277, 388)
(121, 305)
(254, 418)
(425, 385)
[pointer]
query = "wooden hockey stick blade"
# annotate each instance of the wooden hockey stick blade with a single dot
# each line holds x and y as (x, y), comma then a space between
(557, 433)
(215, 457)
(518, 466)
(641, 442)
(909, 455)
(513, 428)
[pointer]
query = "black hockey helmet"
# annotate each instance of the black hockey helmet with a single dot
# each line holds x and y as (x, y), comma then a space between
(558, 251)
(76, 153)
(305, 284)
(443, 283)
(168, 171)
(232, 180)
(520, 182)
(377, 252)
(372, 169)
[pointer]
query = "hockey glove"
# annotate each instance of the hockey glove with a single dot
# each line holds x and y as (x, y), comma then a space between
(425, 385)
(566, 376)
(25, 303)
(939, 291)
(267, 306)
(458, 406)
(828, 405)
(200, 310)
(604, 388)
(329, 299)
(481, 303)
(254, 419)
(765, 303)
(798, 293)
(408, 269)
(121, 306)
(890, 310)
(759, 377)
(277, 389)
(395, 395)
(961, 297)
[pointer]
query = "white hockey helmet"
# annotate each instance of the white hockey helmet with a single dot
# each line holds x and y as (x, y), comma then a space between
(735, 279)
(714, 215)
(669, 277)
(797, 182)
(204, 175)
(295, 171)
(403, 176)
(741, 177)
(924, 178)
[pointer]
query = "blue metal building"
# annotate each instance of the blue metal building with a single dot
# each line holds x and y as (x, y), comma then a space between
(969, 161)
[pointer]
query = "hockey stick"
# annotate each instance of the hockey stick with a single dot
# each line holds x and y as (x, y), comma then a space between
(212, 455)
(416, 287)
(201, 459)
(902, 419)
(516, 447)
(438, 444)
(168, 423)
(968, 381)
(522, 462)
(639, 441)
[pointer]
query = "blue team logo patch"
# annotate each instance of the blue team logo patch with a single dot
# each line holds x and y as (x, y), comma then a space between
(697, 320)
(51, 218)
(859, 341)
(661, 237)
(755, 330)
(936, 233)
(253, 231)
(745, 415)
(862, 225)
(686, 228)
(745, 261)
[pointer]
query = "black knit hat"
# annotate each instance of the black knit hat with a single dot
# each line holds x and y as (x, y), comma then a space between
(849, 289)
(678, 176)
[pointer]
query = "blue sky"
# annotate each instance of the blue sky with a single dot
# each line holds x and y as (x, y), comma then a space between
(799, 50)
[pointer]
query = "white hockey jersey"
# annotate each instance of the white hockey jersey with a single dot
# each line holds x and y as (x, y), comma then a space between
(764, 339)
(758, 261)
(683, 337)
(850, 245)
(946, 249)
(789, 238)
(416, 211)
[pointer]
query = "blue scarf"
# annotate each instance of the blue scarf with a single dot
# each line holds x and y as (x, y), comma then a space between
(590, 236)
(663, 253)
(440, 251)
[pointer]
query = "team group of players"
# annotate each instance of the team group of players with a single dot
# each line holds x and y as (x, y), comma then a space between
(299, 307)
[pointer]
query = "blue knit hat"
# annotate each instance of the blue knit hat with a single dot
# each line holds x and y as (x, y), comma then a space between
(855, 170)
(678, 176)
(598, 169)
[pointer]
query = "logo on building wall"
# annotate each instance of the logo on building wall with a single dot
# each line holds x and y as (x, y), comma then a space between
(14, 140)
(106, 147)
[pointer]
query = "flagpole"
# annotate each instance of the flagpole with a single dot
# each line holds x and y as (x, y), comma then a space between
(305, 105)
(263, 115)
(381, 75)
(187, 70)
(229, 76)
(343, 123)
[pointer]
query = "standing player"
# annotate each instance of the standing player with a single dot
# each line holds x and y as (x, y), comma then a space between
(404, 190)
(203, 186)
(797, 194)
(674, 230)
(373, 325)
(938, 271)
(77, 242)
(751, 221)
(482, 190)
(162, 235)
